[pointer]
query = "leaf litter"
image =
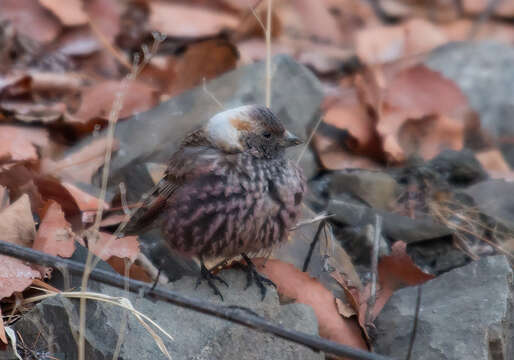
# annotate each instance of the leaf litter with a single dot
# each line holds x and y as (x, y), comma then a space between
(61, 67)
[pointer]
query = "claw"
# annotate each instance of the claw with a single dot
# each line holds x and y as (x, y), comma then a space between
(210, 277)
(253, 276)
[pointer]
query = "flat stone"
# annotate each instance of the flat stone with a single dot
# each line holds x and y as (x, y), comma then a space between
(465, 314)
(196, 336)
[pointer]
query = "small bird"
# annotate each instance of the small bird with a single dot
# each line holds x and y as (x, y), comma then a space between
(229, 190)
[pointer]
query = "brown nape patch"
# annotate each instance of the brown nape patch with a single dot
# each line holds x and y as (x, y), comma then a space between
(241, 124)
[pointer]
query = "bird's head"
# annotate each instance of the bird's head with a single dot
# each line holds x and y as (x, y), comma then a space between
(251, 128)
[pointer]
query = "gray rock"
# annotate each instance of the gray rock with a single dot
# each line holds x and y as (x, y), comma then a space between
(376, 188)
(154, 135)
(484, 72)
(495, 198)
(350, 212)
(196, 336)
(464, 314)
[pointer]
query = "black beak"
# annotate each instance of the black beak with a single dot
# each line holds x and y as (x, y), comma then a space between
(290, 140)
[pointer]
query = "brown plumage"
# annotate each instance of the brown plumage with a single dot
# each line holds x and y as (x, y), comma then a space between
(229, 188)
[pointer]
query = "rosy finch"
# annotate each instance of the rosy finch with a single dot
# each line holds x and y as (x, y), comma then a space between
(228, 190)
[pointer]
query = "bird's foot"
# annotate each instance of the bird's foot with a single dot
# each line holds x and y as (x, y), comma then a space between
(253, 276)
(210, 278)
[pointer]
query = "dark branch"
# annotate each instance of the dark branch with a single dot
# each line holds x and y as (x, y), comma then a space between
(223, 312)
(415, 324)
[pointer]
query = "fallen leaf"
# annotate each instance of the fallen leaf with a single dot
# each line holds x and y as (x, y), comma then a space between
(318, 21)
(136, 272)
(493, 161)
(81, 165)
(17, 224)
(30, 19)
(105, 15)
(51, 188)
(344, 309)
(44, 285)
(4, 197)
(382, 44)
(428, 136)
(3, 337)
(176, 20)
(14, 276)
(202, 61)
(409, 101)
(107, 246)
(97, 100)
(14, 84)
(54, 235)
(298, 285)
(19, 143)
(395, 271)
(84, 200)
(478, 7)
(70, 12)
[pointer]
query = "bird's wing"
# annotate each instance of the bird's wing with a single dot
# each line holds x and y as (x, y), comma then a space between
(153, 205)
(187, 163)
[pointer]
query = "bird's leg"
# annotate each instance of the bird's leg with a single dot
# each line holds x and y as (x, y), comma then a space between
(252, 276)
(210, 277)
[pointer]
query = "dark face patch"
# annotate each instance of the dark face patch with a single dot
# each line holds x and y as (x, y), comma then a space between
(268, 122)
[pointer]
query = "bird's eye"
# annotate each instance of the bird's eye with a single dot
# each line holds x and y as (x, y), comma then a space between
(267, 135)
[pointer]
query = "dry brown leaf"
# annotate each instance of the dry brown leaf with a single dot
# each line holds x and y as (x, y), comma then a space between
(477, 7)
(345, 310)
(493, 161)
(105, 14)
(14, 84)
(54, 235)
(70, 12)
(381, 44)
(394, 272)
(81, 165)
(428, 136)
(15, 276)
(18, 143)
(31, 19)
(3, 337)
(318, 21)
(298, 285)
(410, 101)
(84, 201)
(136, 272)
(180, 20)
(461, 30)
(335, 156)
(203, 60)
(17, 224)
(51, 188)
(97, 100)
(107, 246)
(4, 197)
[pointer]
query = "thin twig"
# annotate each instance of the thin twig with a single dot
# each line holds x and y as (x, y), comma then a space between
(268, 53)
(313, 245)
(374, 269)
(306, 145)
(107, 44)
(113, 118)
(205, 307)
(211, 95)
(315, 219)
(415, 324)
